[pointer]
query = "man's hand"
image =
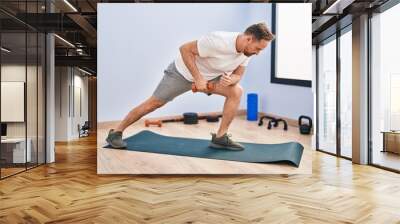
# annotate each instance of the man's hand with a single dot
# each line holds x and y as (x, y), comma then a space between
(201, 84)
(226, 80)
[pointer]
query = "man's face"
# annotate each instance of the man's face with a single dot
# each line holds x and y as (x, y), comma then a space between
(255, 47)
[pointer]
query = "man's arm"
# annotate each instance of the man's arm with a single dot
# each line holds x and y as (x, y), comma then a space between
(237, 74)
(189, 52)
(234, 77)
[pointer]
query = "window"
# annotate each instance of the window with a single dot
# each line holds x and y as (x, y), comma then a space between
(291, 50)
(346, 95)
(22, 77)
(327, 95)
(385, 89)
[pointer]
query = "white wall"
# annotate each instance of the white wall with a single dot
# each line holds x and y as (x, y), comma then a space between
(136, 42)
(80, 83)
(61, 103)
(66, 121)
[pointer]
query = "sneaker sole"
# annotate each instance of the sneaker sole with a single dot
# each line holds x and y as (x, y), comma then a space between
(216, 146)
(113, 146)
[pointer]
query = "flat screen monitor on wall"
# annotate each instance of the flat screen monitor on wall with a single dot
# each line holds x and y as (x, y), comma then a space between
(12, 101)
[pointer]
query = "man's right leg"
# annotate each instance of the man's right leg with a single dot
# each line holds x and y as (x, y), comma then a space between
(114, 137)
(138, 112)
(172, 85)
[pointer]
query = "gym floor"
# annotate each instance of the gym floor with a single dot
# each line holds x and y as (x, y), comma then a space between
(112, 161)
(70, 191)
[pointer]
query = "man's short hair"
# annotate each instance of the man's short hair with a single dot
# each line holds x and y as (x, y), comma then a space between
(260, 31)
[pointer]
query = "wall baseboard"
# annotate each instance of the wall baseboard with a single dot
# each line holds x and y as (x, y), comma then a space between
(240, 112)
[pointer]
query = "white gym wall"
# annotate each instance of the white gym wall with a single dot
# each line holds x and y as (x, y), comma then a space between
(136, 42)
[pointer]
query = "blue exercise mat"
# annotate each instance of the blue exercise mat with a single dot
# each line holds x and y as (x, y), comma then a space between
(147, 141)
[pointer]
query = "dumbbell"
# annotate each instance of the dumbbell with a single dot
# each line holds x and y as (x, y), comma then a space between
(147, 123)
(210, 87)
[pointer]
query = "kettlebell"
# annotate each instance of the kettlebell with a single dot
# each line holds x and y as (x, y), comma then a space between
(305, 128)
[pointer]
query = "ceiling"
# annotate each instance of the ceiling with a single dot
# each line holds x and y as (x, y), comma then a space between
(76, 22)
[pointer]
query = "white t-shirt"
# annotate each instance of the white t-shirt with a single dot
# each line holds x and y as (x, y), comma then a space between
(217, 54)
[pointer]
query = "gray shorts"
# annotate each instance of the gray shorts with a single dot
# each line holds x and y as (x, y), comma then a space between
(172, 84)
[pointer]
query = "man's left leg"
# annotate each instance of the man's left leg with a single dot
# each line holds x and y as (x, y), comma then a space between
(232, 96)
(231, 105)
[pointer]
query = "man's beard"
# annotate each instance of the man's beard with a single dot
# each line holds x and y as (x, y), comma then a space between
(248, 54)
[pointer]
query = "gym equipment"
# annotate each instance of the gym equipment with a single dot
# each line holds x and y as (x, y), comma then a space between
(270, 124)
(305, 128)
(213, 118)
(276, 124)
(147, 141)
(158, 123)
(210, 87)
(190, 118)
(252, 107)
(273, 122)
(261, 122)
(147, 123)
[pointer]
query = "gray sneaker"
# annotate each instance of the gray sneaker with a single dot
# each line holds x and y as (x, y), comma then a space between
(114, 138)
(224, 142)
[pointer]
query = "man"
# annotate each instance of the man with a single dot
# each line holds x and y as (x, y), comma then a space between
(219, 57)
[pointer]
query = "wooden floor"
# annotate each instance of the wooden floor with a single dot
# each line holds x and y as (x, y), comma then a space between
(111, 161)
(387, 159)
(10, 171)
(70, 191)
